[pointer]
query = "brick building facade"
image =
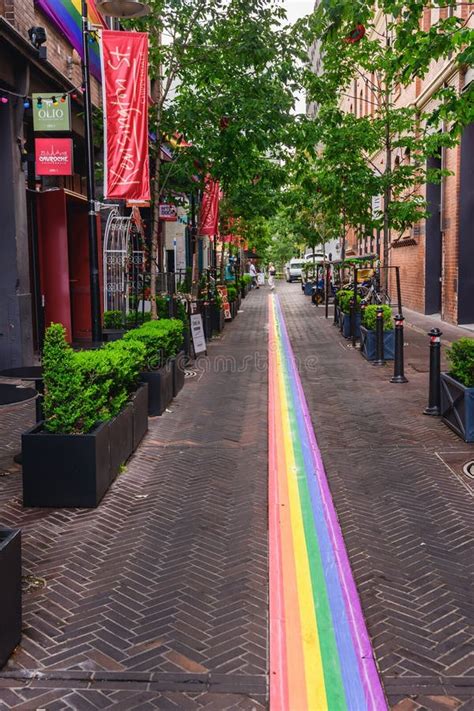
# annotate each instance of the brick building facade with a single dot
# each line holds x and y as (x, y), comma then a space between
(26, 201)
(436, 257)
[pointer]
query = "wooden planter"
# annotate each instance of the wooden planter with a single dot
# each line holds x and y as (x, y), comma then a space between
(346, 325)
(368, 344)
(10, 592)
(160, 389)
(457, 407)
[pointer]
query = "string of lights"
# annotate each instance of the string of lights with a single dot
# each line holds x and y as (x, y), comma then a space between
(55, 100)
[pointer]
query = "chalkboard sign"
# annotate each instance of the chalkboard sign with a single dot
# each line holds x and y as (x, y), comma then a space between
(197, 332)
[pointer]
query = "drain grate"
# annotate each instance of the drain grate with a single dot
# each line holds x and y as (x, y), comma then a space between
(190, 373)
(468, 469)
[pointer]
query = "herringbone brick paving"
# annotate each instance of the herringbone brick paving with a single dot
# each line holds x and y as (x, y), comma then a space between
(158, 599)
(407, 520)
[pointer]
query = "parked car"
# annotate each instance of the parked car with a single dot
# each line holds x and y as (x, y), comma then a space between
(293, 269)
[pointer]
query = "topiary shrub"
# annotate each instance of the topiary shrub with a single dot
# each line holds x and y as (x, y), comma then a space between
(461, 360)
(369, 317)
(86, 387)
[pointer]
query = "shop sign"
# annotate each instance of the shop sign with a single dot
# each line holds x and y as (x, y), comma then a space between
(225, 302)
(168, 213)
(53, 156)
(51, 112)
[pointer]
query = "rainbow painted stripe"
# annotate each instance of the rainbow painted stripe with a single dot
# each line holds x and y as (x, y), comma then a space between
(321, 657)
(66, 15)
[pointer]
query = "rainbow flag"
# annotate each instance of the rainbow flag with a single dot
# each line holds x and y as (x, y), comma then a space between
(66, 16)
(321, 656)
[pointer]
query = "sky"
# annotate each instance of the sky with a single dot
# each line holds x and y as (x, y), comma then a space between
(296, 9)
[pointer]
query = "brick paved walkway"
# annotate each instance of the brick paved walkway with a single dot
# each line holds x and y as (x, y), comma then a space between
(407, 517)
(157, 599)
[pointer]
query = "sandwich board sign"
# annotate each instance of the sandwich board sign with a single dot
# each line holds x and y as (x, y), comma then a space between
(197, 333)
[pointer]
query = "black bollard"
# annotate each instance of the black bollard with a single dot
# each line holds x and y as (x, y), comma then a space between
(379, 349)
(434, 400)
(398, 364)
(352, 320)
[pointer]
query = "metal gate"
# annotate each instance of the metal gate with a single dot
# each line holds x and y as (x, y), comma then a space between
(123, 260)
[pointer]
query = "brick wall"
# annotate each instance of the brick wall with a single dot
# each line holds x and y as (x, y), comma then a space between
(23, 14)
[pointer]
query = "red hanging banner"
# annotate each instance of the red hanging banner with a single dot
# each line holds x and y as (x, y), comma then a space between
(209, 223)
(125, 98)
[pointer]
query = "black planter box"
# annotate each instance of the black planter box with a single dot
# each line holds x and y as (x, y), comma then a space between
(346, 325)
(65, 471)
(457, 407)
(187, 341)
(178, 364)
(113, 334)
(233, 309)
(218, 319)
(139, 403)
(207, 321)
(160, 389)
(10, 592)
(368, 344)
(121, 439)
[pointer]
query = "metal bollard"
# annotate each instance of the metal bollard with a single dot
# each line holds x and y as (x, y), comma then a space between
(398, 364)
(434, 400)
(379, 349)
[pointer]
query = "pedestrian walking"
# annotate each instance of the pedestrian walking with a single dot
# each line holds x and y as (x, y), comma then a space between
(271, 276)
(253, 274)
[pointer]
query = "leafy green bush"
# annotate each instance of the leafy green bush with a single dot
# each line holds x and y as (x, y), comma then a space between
(162, 306)
(461, 360)
(135, 319)
(246, 279)
(86, 387)
(162, 340)
(344, 297)
(113, 319)
(231, 293)
(369, 317)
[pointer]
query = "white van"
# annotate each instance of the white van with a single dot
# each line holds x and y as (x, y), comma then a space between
(294, 268)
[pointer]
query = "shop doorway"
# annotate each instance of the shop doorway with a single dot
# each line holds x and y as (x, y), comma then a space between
(433, 244)
(64, 261)
(466, 230)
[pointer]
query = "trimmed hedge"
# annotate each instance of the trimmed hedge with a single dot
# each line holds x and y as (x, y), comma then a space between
(162, 339)
(86, 387)
(369, 317)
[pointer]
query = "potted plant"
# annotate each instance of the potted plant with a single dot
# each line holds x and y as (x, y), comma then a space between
(457, 389)
(344, 297)
(218, 319)
(10, 592)
(163, 339)
(113, 325)
(368, 335)
(71, 458)
(232, 297)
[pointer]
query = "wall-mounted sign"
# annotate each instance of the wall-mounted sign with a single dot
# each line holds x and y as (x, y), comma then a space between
(51, 112)
(168, 213)
(53, 156)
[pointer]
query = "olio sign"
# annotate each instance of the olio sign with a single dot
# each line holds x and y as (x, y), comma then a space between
(51, 112)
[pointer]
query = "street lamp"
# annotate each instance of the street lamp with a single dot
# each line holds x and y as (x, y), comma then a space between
(122, 8)
(114, 8)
